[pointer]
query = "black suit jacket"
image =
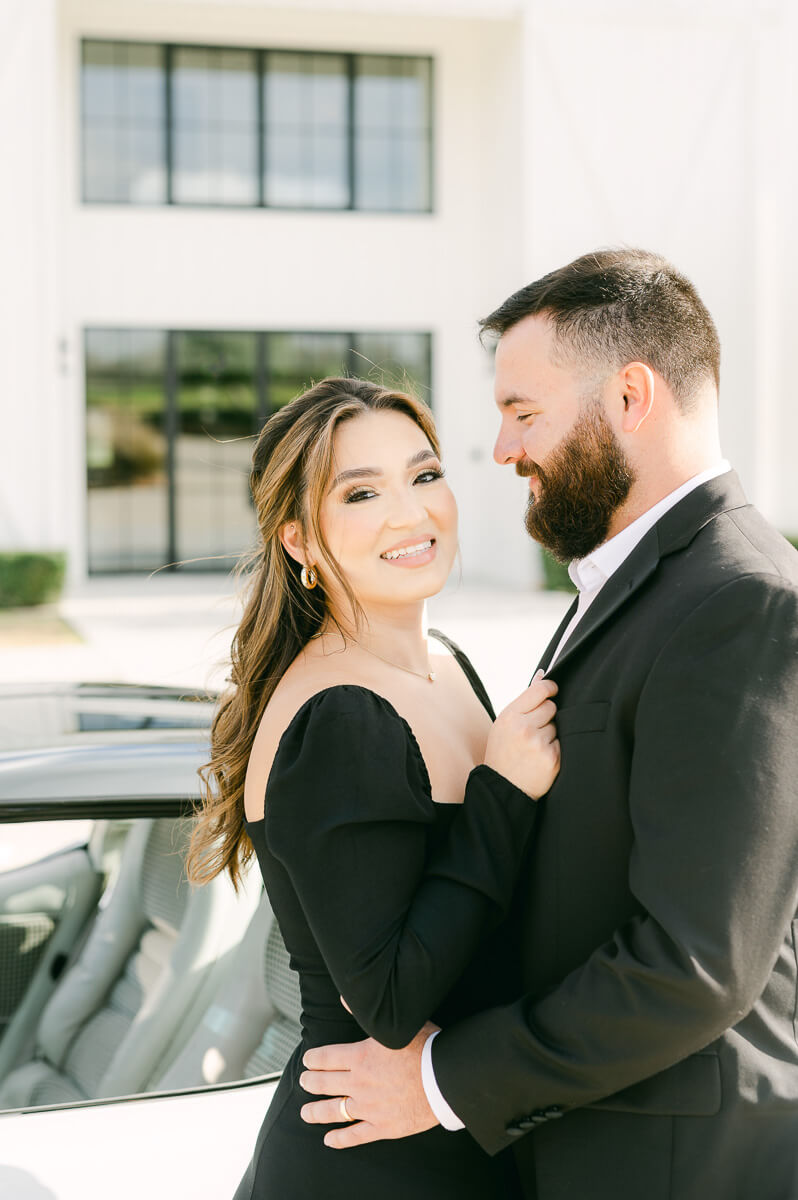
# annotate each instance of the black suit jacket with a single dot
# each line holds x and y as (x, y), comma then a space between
(654, 1053)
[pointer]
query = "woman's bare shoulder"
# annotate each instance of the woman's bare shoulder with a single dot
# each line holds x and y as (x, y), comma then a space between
(307, 676)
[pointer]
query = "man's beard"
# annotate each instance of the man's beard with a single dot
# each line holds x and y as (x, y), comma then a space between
(585, 481)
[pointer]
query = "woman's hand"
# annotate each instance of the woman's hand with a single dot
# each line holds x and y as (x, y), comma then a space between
(522, 745)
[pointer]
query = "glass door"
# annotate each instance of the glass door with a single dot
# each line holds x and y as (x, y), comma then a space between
(171, 422)
(127, 450)
(215, 419)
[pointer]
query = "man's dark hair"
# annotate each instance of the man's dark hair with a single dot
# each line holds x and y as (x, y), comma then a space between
(617, 306)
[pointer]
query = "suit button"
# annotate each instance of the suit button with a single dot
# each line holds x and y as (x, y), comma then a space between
(513, 1130)
(524, 1124)
(530, 1121)
(552, 1112)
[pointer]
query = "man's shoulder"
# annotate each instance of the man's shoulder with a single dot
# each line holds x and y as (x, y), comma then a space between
(740, 544)
(768, 550)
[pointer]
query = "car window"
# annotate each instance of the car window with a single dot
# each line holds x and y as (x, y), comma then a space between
(117, 978)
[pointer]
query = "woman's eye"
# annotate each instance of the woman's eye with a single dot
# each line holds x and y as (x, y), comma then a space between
(358, 494)
(430, 475)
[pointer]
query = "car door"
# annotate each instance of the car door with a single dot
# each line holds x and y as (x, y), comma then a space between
(64, 896)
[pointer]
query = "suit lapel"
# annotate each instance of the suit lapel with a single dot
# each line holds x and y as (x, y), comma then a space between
(622, 584)
(674, 530)
(546, 656)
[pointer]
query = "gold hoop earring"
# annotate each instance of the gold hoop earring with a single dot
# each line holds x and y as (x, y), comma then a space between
(309, 577)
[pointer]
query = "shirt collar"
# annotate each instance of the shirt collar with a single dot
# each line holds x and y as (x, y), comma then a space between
(588, 574)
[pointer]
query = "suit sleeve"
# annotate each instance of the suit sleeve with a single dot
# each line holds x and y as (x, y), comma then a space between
(713, 788)
(348, 813)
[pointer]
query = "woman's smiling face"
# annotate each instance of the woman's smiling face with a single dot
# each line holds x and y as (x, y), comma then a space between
(389, 516)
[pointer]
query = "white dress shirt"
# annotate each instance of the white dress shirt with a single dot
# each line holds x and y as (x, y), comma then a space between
(589, 575)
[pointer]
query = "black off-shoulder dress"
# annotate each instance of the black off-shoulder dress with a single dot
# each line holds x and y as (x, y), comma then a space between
(395, 902)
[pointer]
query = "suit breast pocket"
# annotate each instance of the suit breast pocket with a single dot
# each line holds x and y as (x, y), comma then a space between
(582, 718)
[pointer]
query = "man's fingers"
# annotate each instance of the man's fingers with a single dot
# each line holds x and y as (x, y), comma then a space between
(324, 1112)
(351, 1135)
(329, 1058)
(325, 1083)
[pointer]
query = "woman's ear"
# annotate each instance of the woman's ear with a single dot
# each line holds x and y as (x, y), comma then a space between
(293, 540)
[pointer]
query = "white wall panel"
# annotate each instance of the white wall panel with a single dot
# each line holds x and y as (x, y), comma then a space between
(34, 431)
(662, 127)
(559, 126)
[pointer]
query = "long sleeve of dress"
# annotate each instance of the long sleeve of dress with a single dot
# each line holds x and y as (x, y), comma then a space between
(349, 815)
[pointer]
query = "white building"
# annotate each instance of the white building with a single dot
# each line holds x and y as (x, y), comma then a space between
(191, 189)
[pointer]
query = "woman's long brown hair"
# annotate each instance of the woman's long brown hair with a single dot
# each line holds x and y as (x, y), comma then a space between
(291, 467)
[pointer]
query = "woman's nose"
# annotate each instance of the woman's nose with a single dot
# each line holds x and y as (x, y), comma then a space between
(407, 509)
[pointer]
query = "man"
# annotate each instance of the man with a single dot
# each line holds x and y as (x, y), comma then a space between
(654, 1052)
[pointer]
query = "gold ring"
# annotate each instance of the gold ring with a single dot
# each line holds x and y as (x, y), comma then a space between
(345, 1114)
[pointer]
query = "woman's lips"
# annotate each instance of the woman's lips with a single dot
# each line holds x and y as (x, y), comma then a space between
(411, 554)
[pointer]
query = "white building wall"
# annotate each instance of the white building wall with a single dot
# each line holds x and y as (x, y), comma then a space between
(175, 267)
(777, 57)
(558, 127)
(33, 425)
(667, 125)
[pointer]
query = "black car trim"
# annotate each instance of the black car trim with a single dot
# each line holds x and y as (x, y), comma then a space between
(137, 1097)
(74, 808)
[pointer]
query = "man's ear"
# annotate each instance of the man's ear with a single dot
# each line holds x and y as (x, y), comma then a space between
(638, 383)
(294, 542)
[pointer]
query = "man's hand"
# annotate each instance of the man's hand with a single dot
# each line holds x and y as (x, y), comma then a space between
(383, 1090)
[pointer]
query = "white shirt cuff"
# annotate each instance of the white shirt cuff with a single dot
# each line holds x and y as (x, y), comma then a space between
(447, 1118)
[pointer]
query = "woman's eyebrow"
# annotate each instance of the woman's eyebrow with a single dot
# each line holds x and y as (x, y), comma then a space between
(372, 472)
(355, 473)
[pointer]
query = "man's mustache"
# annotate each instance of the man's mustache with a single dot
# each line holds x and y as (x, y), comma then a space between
(525, 467)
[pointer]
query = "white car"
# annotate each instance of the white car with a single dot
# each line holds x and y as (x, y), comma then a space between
(143, 1023)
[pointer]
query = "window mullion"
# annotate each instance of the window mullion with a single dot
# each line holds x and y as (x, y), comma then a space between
(350, 139)
(262, 378)
(261, 61)
(353, 360)
(169, 117)
(172, 431)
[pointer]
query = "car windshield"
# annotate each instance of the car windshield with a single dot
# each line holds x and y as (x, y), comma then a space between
(34, 718)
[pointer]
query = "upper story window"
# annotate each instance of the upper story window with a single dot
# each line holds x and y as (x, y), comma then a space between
(166, 124)
(124, 123)
(214, 126)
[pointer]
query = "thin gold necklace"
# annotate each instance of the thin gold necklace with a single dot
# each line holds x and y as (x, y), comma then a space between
(428, 675)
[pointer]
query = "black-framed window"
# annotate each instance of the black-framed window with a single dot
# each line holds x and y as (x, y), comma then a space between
(171, 417)
(124, 123)
(229, 126)
(127, 447)
(214, 126)
(391, 121)
(306, 130)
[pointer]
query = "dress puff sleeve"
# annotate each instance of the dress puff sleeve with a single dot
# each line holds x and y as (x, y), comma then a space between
(348, 814)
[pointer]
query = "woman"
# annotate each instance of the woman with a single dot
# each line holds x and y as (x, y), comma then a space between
(342, 755)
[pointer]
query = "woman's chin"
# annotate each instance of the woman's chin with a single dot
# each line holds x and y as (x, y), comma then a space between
(408, 586)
